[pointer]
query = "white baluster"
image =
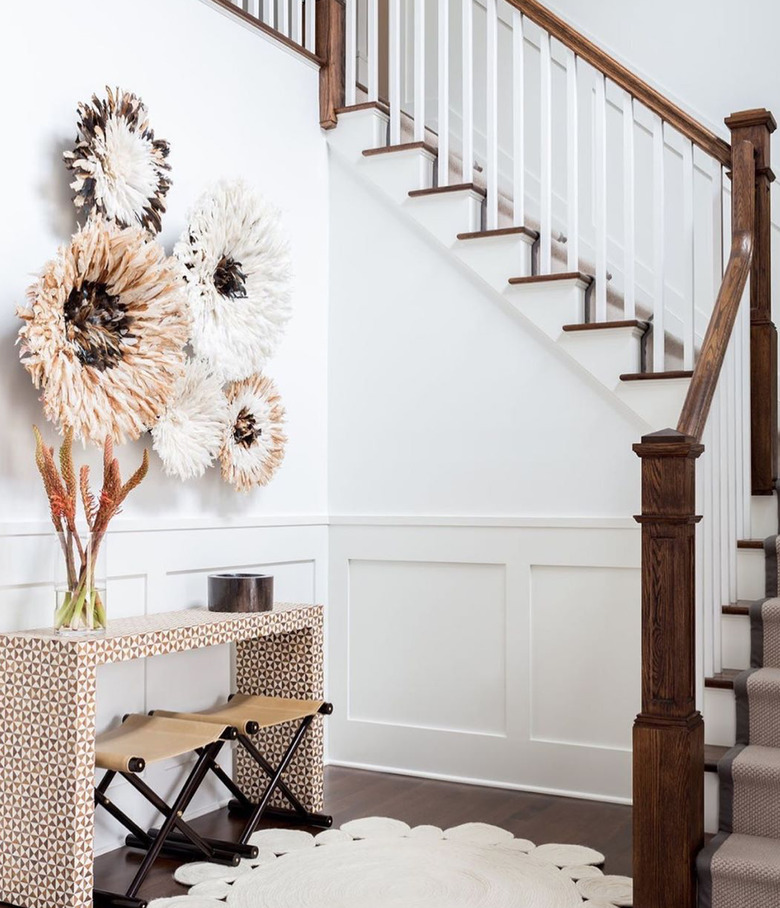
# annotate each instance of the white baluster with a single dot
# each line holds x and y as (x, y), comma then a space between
(284, 17)
(350, 40)
(467, 70)
(659, 274)
(269, 12)
(740, 427)
(394, 69)
(705, 531)
(729, 462)
(545, 145)
(600, 202)
(372, 50)
(254, 8)
(518, 119)
(443, 115)
(717, 559)
(724, 555)
(747, 479)
(491, 114)
(572, 165)
(688, 260)
(419, 70)
(629, 210)
(310, 15)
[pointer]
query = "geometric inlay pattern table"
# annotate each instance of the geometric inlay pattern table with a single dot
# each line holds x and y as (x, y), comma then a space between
(47, 730)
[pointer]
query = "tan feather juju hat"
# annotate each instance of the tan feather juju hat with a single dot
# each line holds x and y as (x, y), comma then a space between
(104, 332)
(254, 445)
(121, 170)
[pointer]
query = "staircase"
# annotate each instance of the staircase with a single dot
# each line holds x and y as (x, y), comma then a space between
(624, 233)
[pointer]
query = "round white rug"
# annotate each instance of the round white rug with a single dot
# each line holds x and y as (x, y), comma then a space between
(386, 864)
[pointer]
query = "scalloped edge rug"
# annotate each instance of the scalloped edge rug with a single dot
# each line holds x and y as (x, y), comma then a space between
(566, 876)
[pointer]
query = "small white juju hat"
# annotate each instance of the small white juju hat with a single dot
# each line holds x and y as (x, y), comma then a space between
(236, 262)
(189, 434)
(121, 170)
(253, 446)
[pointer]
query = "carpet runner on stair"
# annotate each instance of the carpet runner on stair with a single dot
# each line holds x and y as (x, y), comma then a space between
(740, 868)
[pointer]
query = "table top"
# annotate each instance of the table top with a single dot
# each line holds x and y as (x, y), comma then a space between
(163, 632)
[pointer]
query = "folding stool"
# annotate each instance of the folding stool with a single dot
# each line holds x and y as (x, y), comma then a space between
(246, 715)
(126, 751)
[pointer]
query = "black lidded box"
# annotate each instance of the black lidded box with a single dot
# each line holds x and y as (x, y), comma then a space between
(241, 592)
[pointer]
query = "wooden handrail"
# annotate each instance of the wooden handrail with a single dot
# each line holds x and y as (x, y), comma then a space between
(617, 73)
(716, 341)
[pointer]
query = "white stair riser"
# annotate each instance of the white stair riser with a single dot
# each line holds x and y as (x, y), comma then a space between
(720, 716)
(357, 131)
(397, 173)
(750, 574)
(658, 402)
(447, 214)
(735, 645)
(605, 353)
(549, 305)
(495, 259)
(711, 802)
(763, 516)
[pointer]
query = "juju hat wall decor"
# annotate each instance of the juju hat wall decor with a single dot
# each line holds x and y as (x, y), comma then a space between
(253, 447)
(190, 432)
(121, 170)
(236, 262)
(104, 332)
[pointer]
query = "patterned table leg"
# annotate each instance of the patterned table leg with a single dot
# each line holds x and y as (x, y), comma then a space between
(47, 707)
(285, 665)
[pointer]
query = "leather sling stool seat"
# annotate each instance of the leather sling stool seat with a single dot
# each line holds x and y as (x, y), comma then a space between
(246, 715)
(126, 751)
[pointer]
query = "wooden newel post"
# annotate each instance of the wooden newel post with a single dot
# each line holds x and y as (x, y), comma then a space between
(331, 24)
(757, 126)
(669, 732)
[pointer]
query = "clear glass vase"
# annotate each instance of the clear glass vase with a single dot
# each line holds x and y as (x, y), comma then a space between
(80, 584)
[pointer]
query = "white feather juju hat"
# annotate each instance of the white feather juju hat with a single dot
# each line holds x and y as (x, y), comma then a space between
(189, 434)
(254, 444)
(236, 262)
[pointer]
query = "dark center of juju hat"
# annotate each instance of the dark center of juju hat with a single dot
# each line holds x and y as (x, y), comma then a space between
(246, 431)
(97, 325)
(229, 279)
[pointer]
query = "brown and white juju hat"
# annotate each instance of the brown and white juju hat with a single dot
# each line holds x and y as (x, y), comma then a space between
(104, 332)
(254, 444)
(121, 169)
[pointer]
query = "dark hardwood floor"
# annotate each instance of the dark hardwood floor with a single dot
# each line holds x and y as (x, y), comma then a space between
(353, 793)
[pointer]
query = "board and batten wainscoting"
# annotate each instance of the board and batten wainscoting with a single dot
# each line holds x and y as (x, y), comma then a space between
(158, 570)
(455, 645)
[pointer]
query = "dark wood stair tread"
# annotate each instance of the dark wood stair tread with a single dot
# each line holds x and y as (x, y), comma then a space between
(742, 607)
(655, 376)
(366, 105)
(406, 146)
(723, 680)
(713, 753)
(500, 231)
(750, 544)
(598, 326)
(440, 190)
(546, 278)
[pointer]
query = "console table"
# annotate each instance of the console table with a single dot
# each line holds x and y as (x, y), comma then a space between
(47, 730)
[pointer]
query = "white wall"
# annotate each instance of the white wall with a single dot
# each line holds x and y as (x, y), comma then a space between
(484, 583)
(232, 104)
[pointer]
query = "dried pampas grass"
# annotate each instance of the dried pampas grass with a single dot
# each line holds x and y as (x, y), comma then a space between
(254, 445)
(189, 434)
(121, 170)
(104, 333)
(236, 263)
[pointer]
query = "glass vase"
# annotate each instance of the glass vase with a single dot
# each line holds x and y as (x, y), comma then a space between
(80, 584)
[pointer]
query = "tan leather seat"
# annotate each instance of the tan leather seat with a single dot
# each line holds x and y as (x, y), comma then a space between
(243, 709)
(149, 739)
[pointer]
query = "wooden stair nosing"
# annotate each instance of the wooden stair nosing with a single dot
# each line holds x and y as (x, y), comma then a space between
(598, 326)
(655, 376)
(406, 146)
(441, 190)
(366, 105)
(500, 231)
(750, 544)
(742, 607)
(713, 754)
(546, 278)
(723, 680)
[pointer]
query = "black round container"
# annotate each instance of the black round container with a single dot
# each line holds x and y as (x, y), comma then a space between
(241, 592)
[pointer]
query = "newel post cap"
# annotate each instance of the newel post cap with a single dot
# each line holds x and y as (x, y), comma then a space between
(668, 443)
(744, 119)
